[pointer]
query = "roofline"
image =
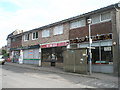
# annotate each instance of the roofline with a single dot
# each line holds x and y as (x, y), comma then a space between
(113, 6)
(17, 35)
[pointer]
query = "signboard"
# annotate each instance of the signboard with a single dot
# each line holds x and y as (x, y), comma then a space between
(107, 48)
(57, 44)
(31, 52)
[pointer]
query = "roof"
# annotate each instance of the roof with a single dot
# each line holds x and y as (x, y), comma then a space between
(9, 35)
(12, 34)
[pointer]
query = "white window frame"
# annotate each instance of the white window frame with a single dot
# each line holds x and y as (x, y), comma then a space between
(58, 30)
(79, 23)
(100, 17)
(45, 33)
(35, 36)
(26, 36)
(105, 19)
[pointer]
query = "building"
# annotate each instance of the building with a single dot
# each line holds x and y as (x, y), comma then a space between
(4, 47)
(41, 44)
(47, 40)
(14, 45)
(104, 33)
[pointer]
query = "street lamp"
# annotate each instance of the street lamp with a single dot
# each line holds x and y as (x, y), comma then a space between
(90, 42)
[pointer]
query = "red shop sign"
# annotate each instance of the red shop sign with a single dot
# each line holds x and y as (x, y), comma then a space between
(54, 45)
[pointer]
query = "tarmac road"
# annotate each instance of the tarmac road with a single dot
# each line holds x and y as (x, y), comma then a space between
(16, 77)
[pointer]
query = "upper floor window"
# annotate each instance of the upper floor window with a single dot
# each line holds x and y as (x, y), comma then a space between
(95, 19)
(16, 39)
(105, 16)
(26, 37)
(77, 23)
(34, 35)
(13, 40)
(45, 33)
(101, 17)
(58, 30)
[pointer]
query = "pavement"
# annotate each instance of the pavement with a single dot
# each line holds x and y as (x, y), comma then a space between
(101, 76)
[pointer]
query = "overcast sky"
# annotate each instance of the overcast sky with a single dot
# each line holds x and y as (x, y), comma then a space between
(30, 14)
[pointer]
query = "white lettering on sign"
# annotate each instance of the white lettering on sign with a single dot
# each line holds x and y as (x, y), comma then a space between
(54, 45)
(107, 48)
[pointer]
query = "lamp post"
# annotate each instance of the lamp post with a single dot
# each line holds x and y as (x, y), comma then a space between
(90, 42)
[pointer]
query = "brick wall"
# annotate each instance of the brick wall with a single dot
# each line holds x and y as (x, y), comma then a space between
(17, 43)
(30, 42)
(56, 38)
(101, 28)
(52, 38)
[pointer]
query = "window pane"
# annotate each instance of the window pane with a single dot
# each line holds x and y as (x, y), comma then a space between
(95, 55)
(105, 16)
(45, 33)
(107, 54)
(33, 35)
(95, 19)
(76, 24)
(36, 34)
(28, 37)
(58, 30)
(24, 37)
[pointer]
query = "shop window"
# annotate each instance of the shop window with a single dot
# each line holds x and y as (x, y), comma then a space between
(95, 55)
(45, 33)
(46, 52)
(106, 54)
(58, 30)
(78, 23)
(26, 37)
(57, 51)
(102, 55)
(34, 35)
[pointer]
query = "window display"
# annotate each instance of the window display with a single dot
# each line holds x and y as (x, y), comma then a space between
(102, 55)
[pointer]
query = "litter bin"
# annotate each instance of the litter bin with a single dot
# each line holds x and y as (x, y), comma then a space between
(53, 64)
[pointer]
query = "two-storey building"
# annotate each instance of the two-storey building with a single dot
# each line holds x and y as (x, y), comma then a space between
(42, 42)
(104, 33)
(14, 45)
(45, 45)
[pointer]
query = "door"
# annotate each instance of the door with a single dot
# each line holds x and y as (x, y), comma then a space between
(75, 60)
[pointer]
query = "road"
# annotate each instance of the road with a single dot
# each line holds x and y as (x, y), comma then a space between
(16, 77)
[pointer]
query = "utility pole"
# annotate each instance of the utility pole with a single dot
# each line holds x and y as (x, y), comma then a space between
(90, 42)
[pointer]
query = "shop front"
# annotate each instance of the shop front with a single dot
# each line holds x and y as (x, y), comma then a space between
(15, 54)
(52, 53)
(102, 55)
(31, 55)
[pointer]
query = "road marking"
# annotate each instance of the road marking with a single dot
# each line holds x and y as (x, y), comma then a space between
(84, 86)
(99, 84)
